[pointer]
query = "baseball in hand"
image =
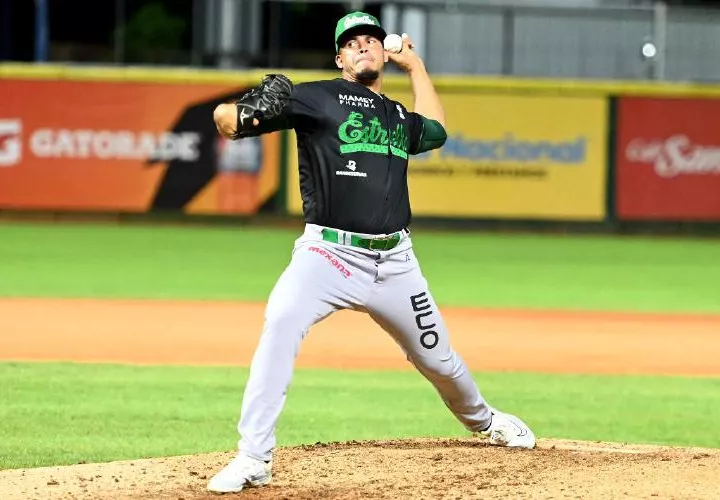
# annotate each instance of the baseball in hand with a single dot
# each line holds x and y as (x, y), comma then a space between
(393, 43)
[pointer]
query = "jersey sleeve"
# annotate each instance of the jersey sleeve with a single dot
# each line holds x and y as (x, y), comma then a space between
(425, 134)
(302, 105)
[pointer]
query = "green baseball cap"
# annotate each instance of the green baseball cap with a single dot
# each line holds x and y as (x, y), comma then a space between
(357, 22)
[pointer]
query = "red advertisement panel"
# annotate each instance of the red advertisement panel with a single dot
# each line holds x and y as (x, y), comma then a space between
(127, 146)
(668, 159)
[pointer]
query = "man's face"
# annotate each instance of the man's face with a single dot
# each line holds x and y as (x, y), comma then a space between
(362, 56)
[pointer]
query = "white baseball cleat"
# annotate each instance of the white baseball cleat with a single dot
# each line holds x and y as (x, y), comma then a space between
(508, 430)
(242, 471)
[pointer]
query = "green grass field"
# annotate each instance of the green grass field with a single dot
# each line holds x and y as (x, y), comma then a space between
(67, 413)
(470, 269)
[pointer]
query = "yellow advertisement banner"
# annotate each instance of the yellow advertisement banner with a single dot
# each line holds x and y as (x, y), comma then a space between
(507, 156)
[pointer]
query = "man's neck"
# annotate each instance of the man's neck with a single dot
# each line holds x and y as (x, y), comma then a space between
(374, 86)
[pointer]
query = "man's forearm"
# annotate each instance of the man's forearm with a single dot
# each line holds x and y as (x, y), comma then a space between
(427, 101)
(226, 120)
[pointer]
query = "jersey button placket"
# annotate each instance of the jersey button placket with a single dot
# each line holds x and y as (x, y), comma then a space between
(389, 150)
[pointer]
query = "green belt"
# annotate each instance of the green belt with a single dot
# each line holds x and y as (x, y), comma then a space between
(384, 243)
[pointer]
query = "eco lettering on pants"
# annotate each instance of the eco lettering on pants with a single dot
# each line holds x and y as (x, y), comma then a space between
(429, 338)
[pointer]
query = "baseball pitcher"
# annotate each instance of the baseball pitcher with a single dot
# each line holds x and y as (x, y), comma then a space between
(356, 251)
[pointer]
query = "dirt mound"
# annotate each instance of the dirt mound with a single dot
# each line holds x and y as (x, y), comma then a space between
(413, 469)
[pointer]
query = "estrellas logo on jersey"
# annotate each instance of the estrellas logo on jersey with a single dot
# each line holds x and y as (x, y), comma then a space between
(371, 137)
(357, 101)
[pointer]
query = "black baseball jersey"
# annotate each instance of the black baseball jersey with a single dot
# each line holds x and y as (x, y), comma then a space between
(353, 149)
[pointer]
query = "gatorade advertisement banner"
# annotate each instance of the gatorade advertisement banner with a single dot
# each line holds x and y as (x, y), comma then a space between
(128, 147)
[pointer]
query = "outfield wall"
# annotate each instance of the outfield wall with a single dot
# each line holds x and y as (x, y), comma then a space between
(133, 140)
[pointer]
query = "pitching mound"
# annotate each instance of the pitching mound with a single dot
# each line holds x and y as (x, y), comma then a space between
(413, 469)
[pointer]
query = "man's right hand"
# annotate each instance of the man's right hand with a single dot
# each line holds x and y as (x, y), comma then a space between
(407, 59)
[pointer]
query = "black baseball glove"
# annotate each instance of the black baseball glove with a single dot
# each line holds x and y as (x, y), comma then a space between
(264, 102)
